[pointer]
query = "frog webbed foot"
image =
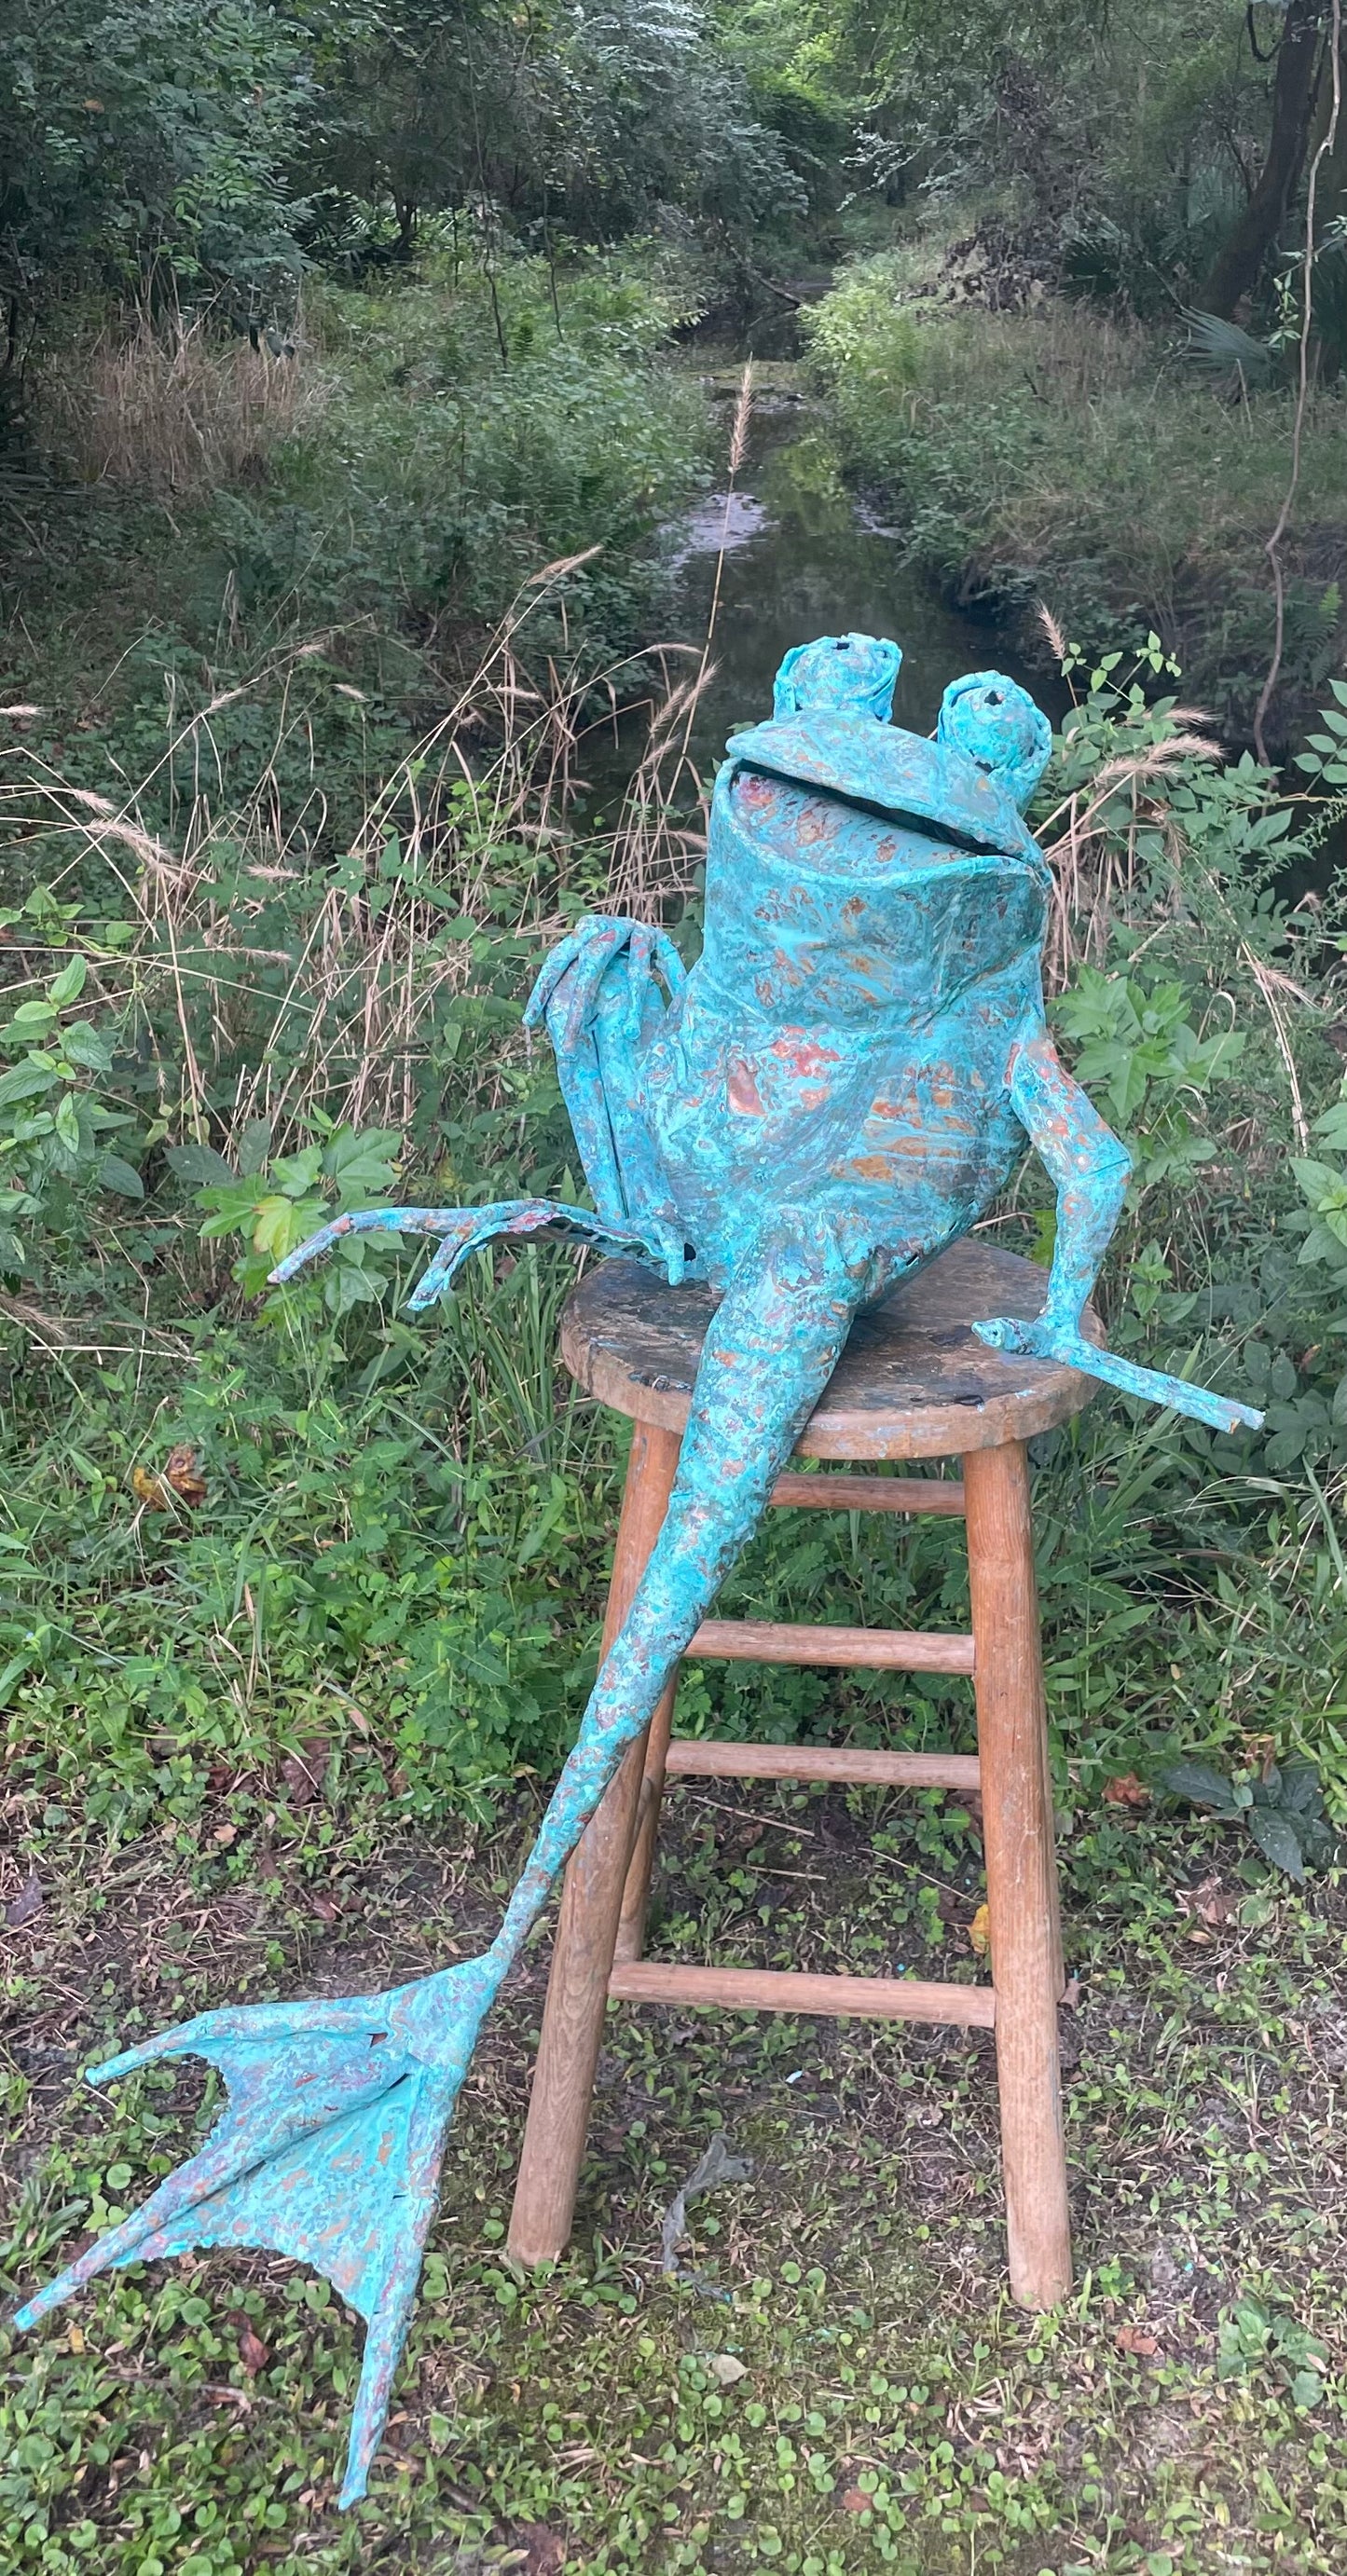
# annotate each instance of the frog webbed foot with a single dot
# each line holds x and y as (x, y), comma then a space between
(1046, 1337)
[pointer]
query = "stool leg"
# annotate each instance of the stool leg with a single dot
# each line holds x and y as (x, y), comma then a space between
(636, 1893)
(1021, 1871)
(582, 1958)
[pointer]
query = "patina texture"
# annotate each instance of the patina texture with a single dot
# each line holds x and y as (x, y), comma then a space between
(833, 1095)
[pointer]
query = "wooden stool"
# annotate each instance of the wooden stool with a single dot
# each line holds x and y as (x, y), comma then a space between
(913, 1382)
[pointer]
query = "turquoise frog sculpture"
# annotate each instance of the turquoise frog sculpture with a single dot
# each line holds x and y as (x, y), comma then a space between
(837, 1091)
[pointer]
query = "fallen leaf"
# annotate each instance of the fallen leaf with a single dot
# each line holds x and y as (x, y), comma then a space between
(252, 2352)
(725, 2369)
(225, 1835)
(182, 1471)
(1135, 2339)
(855, 2500)
(303, 1772)
(75, 2339)
(30, 1900)
(980, 1932)
(327, 1909)
(545, 2550)
(1211, 1903)
(1126, 1791)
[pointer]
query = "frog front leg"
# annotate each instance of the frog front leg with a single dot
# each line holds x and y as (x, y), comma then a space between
(598, 997)
(1090, 1167)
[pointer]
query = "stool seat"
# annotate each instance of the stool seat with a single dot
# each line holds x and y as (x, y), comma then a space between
(913, 1382)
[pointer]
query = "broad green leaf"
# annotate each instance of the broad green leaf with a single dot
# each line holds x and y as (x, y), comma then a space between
(1277, 1840)
(1300, 1790)
(67, 987)
(115, 1174)
(360, 1162)
(87, 1047)
(280, 1223)
(67, 1123)
(197, 1165)
(254, 1144)
(1320, 1184)
(25, 1082)
(1202, 1786)
(294, 1174)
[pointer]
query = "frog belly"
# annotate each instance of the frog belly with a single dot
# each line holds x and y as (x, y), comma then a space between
(909, 1133)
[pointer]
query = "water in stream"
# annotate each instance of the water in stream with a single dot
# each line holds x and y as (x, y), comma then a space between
(806, 556)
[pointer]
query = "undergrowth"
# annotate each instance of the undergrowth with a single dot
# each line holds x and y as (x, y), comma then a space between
(1054, 451)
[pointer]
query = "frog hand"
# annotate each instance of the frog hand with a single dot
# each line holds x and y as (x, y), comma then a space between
(466, 1230)
(1041, 1338)
(566, 993)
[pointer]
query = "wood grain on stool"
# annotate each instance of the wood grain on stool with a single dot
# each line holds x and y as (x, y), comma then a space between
(1021, 1872)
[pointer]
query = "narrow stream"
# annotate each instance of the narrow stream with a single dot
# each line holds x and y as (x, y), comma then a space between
(806, 556)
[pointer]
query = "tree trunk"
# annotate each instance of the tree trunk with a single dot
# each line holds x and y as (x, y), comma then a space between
(1238, 264)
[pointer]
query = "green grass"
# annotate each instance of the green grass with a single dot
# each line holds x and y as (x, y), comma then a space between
(1054, 453)
(840, 2381)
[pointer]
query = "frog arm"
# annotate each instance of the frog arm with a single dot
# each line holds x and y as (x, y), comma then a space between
(1090, 1167)
(599, 1000)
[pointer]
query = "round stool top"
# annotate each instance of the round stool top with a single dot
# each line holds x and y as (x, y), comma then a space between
(913, 1382)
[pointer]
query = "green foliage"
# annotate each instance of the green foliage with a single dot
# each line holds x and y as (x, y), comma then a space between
(147, 141)
(1139, 1055)
(1053, 453)
(1326, 756)
(56, 1160)
(276, 1200)
(1256, 2337)
(1282, 1809)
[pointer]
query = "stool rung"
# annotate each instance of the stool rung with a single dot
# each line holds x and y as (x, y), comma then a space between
(652, 1981)
(772, 1641)
(697, 1760)
(940, 1494)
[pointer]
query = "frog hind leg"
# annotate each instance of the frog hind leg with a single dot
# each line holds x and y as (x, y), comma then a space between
(600, 1001)
(339, 2109)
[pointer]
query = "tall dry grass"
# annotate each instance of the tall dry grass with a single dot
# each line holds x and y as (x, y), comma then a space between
(367, 963)
(165, 403)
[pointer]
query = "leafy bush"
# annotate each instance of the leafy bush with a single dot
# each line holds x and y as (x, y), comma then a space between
(55, 1125)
